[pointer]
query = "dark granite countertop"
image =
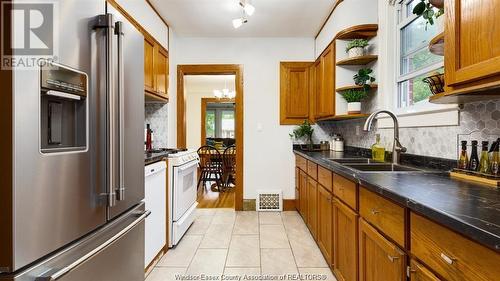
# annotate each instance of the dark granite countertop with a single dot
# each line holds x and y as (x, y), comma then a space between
(465, 207)
(150, 158)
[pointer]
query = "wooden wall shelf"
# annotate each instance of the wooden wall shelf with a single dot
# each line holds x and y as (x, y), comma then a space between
(363, 31)
(361, 60)
(436, 45)
(344, 117)
(354, 87)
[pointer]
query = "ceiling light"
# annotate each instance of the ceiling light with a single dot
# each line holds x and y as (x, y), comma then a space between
(249, 9)
(237, 23)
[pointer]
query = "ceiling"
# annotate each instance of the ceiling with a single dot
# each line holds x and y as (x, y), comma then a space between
(208, 83)
(272, 18)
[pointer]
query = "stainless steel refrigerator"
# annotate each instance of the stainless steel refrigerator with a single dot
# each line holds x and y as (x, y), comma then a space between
(74, 208)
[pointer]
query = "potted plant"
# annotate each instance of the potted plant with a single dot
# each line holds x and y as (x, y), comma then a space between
(305, 130)
(364, 78)
(356, 47)
(354, 98)
(430, 10)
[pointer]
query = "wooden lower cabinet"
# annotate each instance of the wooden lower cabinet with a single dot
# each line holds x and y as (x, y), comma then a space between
(418, 272)
(297, 189)
(325, 224)
(379, 259)
(345, 245)
(312, 207)
(303, 194)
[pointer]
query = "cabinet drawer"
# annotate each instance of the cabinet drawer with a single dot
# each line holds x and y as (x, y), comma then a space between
(345, 190)
(325, 178)
(301, 162)
(383, 214)
(449, 254)
(312, 170)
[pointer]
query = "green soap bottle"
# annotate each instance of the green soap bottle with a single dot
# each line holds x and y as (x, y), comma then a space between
(378, 151)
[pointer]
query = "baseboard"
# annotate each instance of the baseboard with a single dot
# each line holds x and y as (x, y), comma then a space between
(289, 205)
(156, 259)
(249, 204)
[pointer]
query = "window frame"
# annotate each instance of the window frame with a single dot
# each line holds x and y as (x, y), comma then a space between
(421, 114)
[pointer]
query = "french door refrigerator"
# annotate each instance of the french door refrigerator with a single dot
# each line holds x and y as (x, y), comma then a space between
(73, 210)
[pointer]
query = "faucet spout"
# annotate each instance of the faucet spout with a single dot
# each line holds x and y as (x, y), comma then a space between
(397, 148)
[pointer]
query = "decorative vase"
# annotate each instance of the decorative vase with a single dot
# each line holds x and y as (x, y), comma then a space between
(437, 3)
(353, 107)
(356, 52)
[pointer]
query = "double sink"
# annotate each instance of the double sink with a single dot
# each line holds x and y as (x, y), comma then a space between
(369, 165)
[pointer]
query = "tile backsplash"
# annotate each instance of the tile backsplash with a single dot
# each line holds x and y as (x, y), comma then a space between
(428, 141)
(157, 116)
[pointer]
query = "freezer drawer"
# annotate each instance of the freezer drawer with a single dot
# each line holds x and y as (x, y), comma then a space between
(113, 253)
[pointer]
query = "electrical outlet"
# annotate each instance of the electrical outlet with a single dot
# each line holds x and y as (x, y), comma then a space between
(358, 129)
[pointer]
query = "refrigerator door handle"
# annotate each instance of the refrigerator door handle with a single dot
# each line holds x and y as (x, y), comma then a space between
(63, 271)
(120, 192)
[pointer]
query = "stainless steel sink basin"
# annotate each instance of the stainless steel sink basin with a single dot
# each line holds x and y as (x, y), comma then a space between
(353, 161)
(382, 167)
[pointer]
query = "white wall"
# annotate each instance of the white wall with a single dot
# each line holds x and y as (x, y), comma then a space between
(268, 155)
(193, 117)
(142, 12)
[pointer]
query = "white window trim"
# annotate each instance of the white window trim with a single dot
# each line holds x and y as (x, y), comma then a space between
(421, 114)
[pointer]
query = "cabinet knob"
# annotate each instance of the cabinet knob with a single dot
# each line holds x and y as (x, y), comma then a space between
(448, 259)
(374, 211)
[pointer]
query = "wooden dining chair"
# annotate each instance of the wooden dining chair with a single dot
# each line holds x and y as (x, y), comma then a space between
(229, 166)
(211, 166)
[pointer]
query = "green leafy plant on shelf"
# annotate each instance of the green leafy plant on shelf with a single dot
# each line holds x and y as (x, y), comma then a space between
(356, 43)
(364, 78)
(429, 10)
(354, 95)
(305, 130)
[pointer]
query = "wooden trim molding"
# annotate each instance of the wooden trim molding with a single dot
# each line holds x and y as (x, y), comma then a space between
(328, 18)
(215, 69)
(289, 205)
(204, 102)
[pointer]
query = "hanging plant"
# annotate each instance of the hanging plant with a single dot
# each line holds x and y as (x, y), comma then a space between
(429, 10)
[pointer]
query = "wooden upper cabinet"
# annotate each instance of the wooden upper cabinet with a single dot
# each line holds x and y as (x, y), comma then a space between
(149, 78)
(325, 216)
(472, 51)
(155, 70)
(294, 92)
(379, 259)
(325, 88)
(161, 71)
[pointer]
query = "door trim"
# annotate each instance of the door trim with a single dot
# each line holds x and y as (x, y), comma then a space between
(215, 69)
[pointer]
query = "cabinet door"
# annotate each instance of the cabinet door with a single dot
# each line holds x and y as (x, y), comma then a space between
(312, 206)
(379, 259)
(472, 30)
(303, 195)
(294, 92)
(325, 216)
(297, 189)
(149, 78)
(325, 100)
(161, 71)
(345, 237)
(418, 272)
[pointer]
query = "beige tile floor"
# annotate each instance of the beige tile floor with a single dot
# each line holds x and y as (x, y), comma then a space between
(238, 244)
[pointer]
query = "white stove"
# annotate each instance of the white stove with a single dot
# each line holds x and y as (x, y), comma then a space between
(182, 167)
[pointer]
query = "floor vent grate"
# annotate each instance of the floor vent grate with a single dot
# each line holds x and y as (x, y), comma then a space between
(269, 200)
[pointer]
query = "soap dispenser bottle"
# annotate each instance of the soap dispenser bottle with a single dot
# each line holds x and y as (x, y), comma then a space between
(378, 151)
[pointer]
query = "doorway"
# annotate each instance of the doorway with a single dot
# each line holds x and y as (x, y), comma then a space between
(215, 105)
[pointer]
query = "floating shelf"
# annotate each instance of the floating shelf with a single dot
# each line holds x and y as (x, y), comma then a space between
(361, 60)
(436, 45)
(344, 117)
(354, 87)
(363, 31)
